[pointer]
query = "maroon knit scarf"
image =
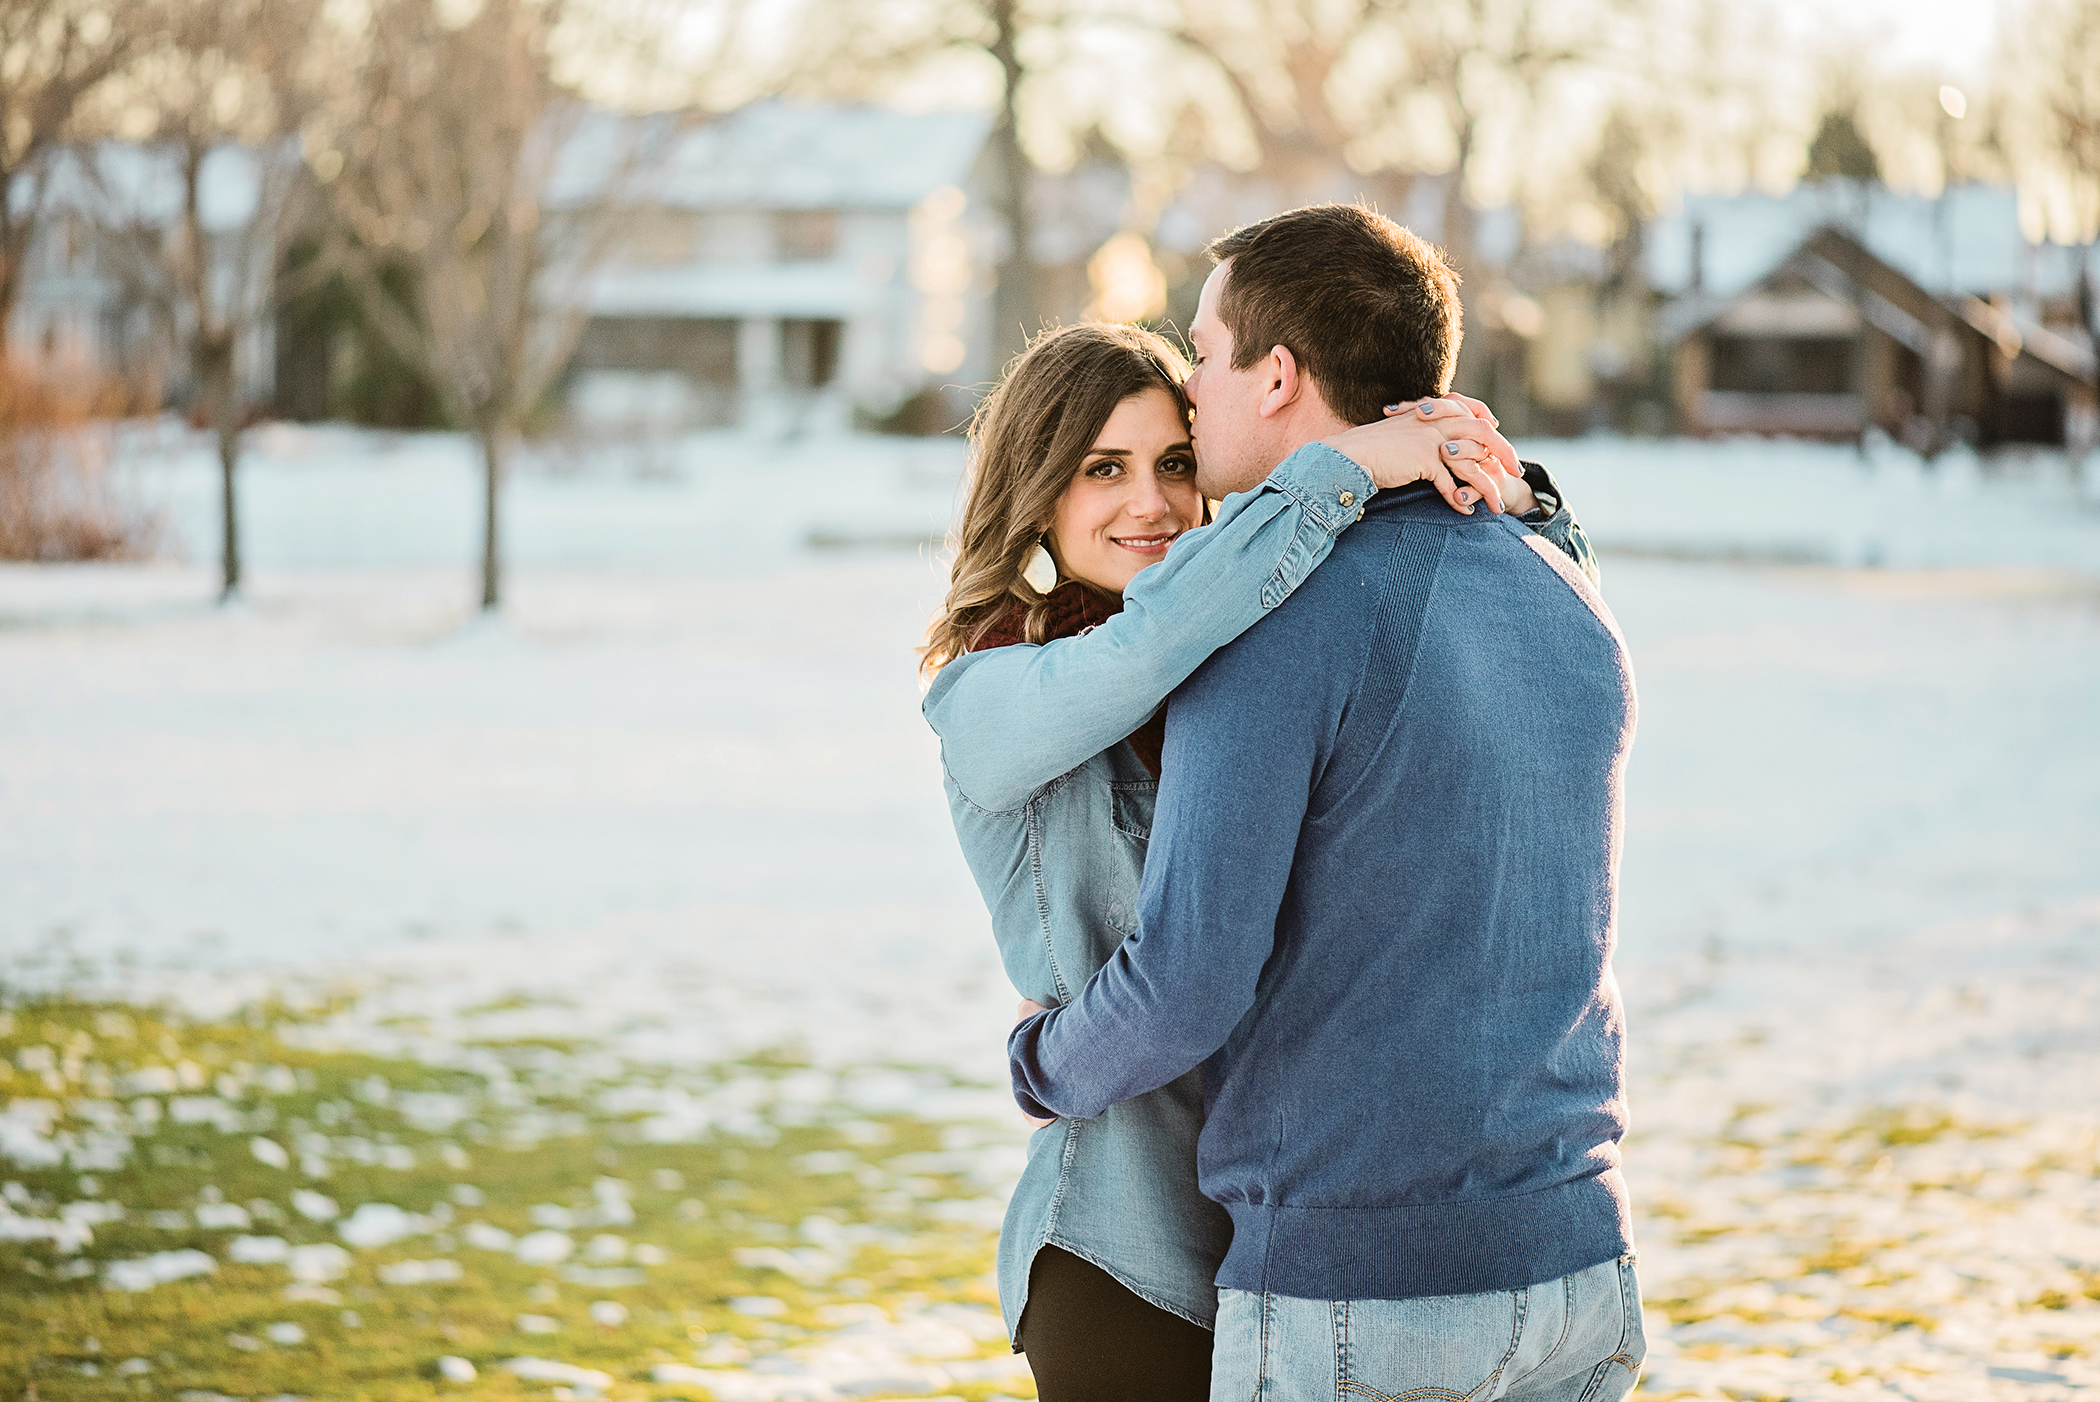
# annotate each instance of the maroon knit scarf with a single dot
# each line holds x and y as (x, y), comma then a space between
(1074, 608)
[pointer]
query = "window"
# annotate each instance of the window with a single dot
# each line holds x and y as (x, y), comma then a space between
(655, 237)
(809, 353)
(1783, 364)
(806, 235)
(703, 350)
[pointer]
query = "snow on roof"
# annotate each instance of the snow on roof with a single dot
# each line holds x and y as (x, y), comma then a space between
(1969, 242)
(818, 290)
(128, 181)
(777, 154)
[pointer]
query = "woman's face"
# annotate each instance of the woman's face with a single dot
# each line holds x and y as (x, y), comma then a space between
(1133, 493)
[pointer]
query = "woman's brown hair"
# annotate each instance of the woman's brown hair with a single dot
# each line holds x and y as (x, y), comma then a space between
(1027, 440)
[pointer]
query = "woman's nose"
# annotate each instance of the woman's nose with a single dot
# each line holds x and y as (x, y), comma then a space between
(1147, 502)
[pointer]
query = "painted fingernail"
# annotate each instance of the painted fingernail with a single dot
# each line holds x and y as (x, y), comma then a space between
(1392, 408)
(1465, 498)
(1451, 448)
(1428, 408)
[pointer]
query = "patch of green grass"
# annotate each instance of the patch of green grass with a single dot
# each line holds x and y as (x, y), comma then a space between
(1892, 1318)
(1837, 1256)
(195, 1133)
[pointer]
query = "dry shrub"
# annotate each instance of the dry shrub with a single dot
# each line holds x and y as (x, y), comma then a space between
(58, 497)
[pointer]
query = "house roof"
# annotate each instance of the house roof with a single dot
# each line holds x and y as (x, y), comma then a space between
(143, 183)
(777, 154)
(1826, 282)
(1970, 242)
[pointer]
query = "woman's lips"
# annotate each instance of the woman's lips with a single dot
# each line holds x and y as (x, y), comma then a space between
(1146, 544)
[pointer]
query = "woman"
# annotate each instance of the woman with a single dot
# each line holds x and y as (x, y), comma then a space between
(1052, 657)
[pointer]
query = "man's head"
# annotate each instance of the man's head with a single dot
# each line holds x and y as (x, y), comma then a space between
(1312, 322)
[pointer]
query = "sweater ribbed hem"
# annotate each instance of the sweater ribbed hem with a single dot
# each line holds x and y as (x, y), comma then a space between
(1405, 1253)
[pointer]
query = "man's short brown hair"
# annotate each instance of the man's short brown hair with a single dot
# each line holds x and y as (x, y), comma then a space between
(1370, 311)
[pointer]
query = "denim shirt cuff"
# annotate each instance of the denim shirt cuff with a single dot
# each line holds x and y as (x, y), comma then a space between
(1545, 489)
(1331, 491)
(1328, 484)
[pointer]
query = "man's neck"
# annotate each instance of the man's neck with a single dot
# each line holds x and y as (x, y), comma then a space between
(1310, 424)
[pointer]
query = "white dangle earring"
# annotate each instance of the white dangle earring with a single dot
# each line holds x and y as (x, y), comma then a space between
(1040, 571)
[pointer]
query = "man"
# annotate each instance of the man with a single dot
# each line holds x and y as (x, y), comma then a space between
(1379, 902)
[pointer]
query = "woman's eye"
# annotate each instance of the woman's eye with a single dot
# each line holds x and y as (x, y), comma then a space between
(1105, 469)
(1177, 465)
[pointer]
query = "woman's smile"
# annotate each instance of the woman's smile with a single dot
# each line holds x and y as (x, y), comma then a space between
(1154, 545)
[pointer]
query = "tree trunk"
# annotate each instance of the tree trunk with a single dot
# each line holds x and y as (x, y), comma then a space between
(1457, 233)
(492, 435)
(14, 242)
(215, 379)
(1014, 301)
(1475, 371)
(230, 554)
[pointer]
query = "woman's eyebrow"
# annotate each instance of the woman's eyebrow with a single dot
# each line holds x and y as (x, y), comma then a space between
(1108, 452)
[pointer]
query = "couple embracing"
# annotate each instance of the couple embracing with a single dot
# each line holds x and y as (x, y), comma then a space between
(1299, 828)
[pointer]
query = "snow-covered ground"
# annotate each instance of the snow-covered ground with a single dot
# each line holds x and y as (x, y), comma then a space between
(683, 785)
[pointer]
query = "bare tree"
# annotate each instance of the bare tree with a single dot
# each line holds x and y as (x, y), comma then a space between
(53, 53)
(1330, 86)
(1285, 63)
(2072, 102)
(1479, 60)
(438, 159)
(193, 222)
(870, 44)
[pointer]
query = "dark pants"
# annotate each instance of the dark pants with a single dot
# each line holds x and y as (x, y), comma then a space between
(1088, 1339)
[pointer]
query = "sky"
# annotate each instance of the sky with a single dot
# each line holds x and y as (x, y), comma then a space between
(1955, 36)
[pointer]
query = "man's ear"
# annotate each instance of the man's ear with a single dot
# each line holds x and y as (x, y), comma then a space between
(1286, 384)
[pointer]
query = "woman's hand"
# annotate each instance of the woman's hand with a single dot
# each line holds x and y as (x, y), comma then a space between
(1451, 443)
(1026, 1011)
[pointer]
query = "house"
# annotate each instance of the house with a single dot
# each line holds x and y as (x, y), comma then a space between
(786, 267)
(782, 267)
(93, 290)
(1834, 340)
(1842, 307)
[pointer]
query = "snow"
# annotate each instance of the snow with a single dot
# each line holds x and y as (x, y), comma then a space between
(546, 1370)
(377, 1224)
(145, 1272)
(315, 1264)
(680, 798)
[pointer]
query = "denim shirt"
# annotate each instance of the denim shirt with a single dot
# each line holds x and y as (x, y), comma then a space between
(1053, 811)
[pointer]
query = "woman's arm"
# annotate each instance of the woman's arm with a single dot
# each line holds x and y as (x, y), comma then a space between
(1013, 718)
(1555, 521)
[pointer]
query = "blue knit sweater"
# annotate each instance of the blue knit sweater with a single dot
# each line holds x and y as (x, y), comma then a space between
(1379, 908)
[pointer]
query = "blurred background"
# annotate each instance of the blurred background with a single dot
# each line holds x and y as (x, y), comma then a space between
(477, 910)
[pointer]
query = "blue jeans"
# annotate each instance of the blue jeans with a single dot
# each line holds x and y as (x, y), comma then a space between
(1575, 1339)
